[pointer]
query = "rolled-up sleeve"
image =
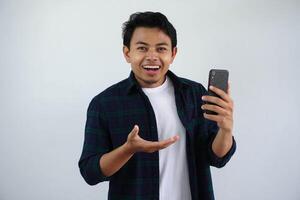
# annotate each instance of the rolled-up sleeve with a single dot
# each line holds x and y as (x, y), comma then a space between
(214, 160)
(96, 143)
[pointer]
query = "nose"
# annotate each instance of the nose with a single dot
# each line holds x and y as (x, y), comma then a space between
(152, 55)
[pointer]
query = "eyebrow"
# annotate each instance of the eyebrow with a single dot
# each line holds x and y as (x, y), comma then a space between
(159, 44)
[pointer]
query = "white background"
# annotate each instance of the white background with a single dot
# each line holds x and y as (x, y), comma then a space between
(56, 55)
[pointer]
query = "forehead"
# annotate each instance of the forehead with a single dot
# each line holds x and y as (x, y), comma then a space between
(150, 36)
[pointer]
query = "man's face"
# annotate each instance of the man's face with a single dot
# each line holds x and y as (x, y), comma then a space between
(150, 56)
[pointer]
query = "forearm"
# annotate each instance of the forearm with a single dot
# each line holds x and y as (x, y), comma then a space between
(111, 162)
(222, 143)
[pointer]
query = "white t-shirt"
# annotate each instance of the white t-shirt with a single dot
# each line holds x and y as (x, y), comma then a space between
(173, 170)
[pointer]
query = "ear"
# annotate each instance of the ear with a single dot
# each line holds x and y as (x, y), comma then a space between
(126, 51)
(174, 52)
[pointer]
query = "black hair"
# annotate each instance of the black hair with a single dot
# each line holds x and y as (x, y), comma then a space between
(149, 20)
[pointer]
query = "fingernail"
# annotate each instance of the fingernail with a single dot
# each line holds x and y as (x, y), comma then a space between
(203, 98)
(211, 87)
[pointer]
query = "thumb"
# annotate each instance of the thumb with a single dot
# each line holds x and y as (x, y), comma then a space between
(135, 130)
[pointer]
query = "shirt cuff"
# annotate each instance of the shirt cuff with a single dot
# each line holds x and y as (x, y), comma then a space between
(221, 161)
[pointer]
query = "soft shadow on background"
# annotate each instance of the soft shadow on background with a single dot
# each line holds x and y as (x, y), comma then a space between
(56, 55)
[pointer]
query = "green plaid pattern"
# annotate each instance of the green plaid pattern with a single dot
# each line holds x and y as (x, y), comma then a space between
(111, 116)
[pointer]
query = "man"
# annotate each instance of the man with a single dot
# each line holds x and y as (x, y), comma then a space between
(148, 135)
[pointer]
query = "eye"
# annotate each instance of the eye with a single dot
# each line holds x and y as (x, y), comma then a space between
(161, 49)
(142, 48)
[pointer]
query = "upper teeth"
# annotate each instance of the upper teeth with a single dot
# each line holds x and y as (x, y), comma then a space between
(151, 67)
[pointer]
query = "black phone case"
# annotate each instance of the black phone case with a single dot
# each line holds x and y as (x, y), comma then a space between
(217, 78)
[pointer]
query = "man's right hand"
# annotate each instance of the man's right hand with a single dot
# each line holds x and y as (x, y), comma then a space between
(137, 144)
(112, 161)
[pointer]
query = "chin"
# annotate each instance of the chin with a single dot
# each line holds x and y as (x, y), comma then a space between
(151, 82)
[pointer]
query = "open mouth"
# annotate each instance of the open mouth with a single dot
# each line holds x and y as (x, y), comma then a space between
(151, 68)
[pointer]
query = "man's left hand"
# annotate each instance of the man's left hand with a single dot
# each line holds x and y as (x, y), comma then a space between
(223, 107)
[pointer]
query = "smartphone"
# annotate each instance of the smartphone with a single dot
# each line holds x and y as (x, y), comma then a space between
(217, 78)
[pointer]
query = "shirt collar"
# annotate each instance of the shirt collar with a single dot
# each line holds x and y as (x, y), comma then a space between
(134, 86)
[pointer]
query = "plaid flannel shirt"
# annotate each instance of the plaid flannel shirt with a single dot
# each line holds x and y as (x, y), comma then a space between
(111, 116)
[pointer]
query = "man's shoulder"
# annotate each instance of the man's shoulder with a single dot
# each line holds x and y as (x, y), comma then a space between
(193, 85)
(190, 82)
(114, 91)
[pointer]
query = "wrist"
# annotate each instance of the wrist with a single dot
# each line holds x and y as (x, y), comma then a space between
(226, 132)
(128, 148)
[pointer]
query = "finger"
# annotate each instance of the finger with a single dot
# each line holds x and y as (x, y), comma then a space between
(155, 146)
(134, 131)
(216, 118)
(220, 92)
(215, 108)
(228, 89)
(216, 100)
(165, 143)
